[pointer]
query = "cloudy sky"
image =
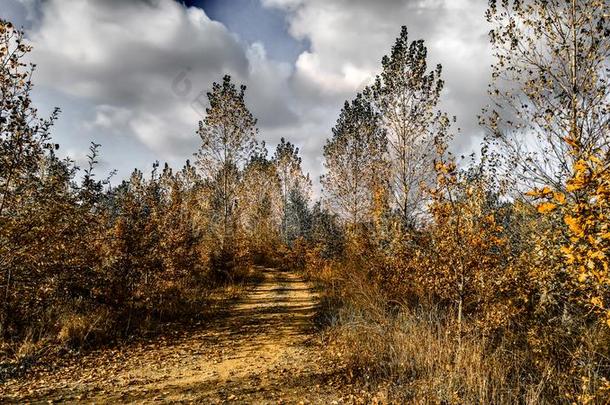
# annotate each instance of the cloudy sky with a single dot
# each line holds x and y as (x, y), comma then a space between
(129, 73)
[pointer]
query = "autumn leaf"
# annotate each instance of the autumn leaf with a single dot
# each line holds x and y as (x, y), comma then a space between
(559, 197)
(574, 185)
(570, 141)
(539, 192)
(574, 225)
(597, 302)
(546, 207)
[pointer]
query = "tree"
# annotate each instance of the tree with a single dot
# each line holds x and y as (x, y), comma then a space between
(287, 163)
(550, 86)
(325, 231)
(584, 242)
(24, 137)
(228, 136)
(31, 176)
(466, 257)
(550, 119)
(260, 201)
(406, 96)
(355, 162)
(298, 218)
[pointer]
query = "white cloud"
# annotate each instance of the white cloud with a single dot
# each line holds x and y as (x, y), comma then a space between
(110, 118)
(349, 37)
(284, 4)
(269, 96)
(144, 65)
(123, 57)
(132, 69)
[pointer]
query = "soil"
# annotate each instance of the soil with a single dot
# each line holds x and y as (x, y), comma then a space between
(264, 350)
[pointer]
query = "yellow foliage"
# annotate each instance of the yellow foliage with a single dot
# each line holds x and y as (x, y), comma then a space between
(546, 207)
(597, 302)
(573, 225)
(539, 192)
(587, 217)
(560, 197)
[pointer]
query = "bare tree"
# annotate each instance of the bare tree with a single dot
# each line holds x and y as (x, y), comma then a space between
(550, 85)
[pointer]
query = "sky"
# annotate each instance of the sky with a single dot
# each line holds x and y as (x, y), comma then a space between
(132, 74)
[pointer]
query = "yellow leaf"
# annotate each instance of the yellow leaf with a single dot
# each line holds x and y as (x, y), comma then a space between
(596, 301)
(580, 166)
(598, 255)
(567, 252)
(539, 192)
(546, 207)
(570, 141)
(560, 197)
(574, 225)
(574, 185)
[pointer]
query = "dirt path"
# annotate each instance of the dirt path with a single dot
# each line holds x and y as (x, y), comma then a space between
(261, 352)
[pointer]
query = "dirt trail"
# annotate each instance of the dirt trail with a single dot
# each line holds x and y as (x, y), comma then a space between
(261, 352)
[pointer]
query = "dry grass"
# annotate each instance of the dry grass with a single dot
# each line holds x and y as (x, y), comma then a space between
(75, 330)
(417, 353)
(422, 359)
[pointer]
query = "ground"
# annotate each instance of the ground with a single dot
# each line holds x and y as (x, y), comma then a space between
(264, 350)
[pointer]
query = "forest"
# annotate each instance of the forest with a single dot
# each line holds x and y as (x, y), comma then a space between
(442, 278)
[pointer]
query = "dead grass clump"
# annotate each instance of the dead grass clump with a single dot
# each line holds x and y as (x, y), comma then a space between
(417, 353)
(76, 330)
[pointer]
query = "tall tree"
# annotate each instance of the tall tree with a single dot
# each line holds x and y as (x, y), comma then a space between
(298, 218)
(260, 201)
(34, 184)
(551, 120)
(288, 166)
(24, 137)
(406, 95)
(228, 138)
(355, 162)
